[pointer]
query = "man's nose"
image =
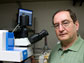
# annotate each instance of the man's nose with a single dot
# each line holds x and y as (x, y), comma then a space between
(61, 28)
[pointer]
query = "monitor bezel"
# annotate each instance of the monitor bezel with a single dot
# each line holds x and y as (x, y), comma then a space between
(24, 10)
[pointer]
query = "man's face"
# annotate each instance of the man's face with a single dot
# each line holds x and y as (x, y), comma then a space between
(64, 26)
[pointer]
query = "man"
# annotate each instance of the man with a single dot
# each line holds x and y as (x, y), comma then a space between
(71, 46)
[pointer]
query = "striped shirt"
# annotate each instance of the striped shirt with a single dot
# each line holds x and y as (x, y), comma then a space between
(74, 54)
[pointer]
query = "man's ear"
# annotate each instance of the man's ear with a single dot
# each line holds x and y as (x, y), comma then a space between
(77, 25)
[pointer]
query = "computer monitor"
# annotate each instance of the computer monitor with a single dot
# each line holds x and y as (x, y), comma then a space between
(27, 20)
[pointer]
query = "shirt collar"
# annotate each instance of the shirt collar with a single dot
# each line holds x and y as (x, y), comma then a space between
(76, 45)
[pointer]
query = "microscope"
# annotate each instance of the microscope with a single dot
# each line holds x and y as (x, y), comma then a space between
(16, 46)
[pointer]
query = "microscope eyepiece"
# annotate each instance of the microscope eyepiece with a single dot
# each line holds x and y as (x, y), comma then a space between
(38, 36)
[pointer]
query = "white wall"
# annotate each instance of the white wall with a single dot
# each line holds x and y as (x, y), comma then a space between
(42, 12)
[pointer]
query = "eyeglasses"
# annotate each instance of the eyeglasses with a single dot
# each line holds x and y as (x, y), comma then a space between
(65, 24)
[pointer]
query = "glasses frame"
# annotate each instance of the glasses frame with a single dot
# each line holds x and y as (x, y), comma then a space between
(65, 23)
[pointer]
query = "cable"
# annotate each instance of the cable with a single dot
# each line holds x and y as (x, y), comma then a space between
(15, 28)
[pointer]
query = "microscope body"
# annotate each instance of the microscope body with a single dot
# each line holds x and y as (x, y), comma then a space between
(21, 34)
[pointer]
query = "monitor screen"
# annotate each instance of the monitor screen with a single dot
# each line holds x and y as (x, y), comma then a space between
(27, 20)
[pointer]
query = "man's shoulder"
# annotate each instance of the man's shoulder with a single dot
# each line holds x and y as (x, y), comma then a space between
(82, 43)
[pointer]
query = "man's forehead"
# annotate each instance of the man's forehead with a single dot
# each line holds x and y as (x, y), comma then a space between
(62, 13)
(61, 16)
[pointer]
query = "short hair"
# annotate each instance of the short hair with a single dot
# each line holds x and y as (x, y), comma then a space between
(72, 15)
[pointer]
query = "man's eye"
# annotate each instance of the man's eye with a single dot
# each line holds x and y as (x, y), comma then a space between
(56, 25)
(66, 22)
